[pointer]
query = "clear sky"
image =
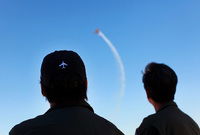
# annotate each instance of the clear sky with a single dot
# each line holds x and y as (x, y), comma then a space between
(165, 31)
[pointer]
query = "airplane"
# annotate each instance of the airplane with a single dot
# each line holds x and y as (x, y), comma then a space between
(63, 64)
(97, 31)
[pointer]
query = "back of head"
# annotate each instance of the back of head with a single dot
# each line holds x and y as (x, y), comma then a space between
(160, 81)
(63, 77)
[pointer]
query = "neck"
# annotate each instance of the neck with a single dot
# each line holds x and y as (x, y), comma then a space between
(156, 105)
(51, 104)
(68, 103)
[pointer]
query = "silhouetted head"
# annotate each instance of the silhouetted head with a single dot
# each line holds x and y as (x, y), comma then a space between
(63, 78)
(160, 81)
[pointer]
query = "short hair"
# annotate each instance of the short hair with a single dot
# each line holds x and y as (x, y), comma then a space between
(66, 88)
(64, 85)
(160, 81)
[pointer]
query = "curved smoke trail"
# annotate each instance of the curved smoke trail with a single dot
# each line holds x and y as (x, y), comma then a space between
(116, 54)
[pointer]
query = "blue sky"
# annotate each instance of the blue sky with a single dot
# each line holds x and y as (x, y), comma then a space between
(141, 30)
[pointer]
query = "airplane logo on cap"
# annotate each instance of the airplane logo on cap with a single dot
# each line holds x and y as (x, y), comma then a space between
(63, 64)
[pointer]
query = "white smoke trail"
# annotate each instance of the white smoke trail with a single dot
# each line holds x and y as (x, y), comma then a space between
(116, 54)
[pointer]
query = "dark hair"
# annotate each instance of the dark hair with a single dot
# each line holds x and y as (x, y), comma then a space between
(160, 81)
(66, 88)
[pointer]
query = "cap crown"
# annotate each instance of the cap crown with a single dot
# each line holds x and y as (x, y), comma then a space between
(59, 62)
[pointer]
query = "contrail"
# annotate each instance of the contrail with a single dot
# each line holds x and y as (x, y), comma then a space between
(116, 54)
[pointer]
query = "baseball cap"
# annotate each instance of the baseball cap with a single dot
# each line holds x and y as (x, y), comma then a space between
(59, 62)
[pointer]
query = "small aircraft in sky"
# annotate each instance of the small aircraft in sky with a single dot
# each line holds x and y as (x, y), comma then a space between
(97, 31)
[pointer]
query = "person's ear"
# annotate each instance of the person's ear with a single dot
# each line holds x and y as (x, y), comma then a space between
(42, 90)
(148, 94)
(149, 97)
(86, 82)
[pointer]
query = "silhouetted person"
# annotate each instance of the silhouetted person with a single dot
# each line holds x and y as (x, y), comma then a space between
(160, 84)
(64, 84)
